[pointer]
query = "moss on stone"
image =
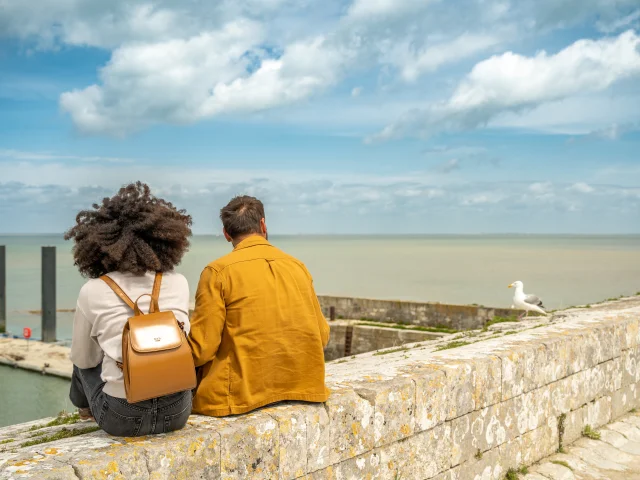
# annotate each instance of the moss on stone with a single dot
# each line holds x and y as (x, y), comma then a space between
(417, 328)
(393, 350)
(450, 345)
(563, 463)
(63, 418)
(8, 440)
(590, 433)
(478, 455)
(512, 474)
(561, 420)
(59, 435)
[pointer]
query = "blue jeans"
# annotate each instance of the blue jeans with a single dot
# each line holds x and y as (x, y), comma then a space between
(118, 417)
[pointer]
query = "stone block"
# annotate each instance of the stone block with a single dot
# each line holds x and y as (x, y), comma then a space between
(361, 467)
(351, 430)
(487, 382)
(511, 453)
(492, 426)
(521, 369)
(631, 334)
(431, 406)
(421, 456)
(43, 469)
(579, 390)
(318, 437)
(453, 474)
(623, 400)
(461, 446)
(460, 386)
(292, 441)
(560, 396)
(489, 467)
(249, 447)
(576, 351)
(630, 370)
(532, 409)
(574, 422)
(557, 361)
(394, 405)
(539, 443)
(187, 453)
(117, 461)
(598, 412)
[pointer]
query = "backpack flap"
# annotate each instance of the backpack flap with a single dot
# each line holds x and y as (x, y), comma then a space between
(155, 332)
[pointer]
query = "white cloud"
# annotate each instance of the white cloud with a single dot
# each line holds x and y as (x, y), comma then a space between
(414, 63)
(581, 187)
(356, 92)
(514, 83)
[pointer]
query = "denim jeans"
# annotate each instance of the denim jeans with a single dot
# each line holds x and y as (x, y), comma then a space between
(118, 417)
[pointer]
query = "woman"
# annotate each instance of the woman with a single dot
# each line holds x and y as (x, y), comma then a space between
(130, 237)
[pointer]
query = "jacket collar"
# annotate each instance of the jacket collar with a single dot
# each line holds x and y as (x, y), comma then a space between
(251, 241)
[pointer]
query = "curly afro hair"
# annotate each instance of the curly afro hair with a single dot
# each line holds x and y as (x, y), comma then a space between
(131, 232)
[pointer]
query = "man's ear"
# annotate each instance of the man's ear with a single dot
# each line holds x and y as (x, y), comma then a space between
(263, 227)
(226, 235)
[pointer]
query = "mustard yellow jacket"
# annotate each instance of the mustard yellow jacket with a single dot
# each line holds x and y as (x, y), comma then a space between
(257, 332)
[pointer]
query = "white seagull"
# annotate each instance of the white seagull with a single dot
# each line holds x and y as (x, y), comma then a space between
(522, 301)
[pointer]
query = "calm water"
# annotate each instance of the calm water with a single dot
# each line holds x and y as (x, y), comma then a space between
(27, 396)
(563, 270)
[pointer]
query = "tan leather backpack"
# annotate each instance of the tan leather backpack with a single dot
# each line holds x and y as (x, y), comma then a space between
(156, 358)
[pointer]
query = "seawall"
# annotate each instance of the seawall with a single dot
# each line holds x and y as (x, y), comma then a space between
(462, 413)
(458, 317)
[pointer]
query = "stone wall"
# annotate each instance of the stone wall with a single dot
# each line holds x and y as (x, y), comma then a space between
(459, 317)
(366, 338)
(461, 414)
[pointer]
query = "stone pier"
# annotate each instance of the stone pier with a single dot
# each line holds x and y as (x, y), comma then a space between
(456, 412)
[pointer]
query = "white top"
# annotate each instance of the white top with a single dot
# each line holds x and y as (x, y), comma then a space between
(101, 315)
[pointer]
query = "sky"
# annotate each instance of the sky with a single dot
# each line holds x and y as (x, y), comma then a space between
(344, 117)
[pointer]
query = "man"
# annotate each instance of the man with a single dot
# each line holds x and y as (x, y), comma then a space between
(257, 331)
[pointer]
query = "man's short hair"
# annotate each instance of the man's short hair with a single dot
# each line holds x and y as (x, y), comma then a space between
(242, 216)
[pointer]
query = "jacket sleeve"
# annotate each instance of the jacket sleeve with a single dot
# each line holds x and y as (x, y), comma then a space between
(208, 319)
(322, 322)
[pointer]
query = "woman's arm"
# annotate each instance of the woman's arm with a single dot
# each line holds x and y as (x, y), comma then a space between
(85, 351)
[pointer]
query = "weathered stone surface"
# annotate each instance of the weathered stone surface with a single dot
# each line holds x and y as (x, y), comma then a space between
(351, 419)
(394, 407)
(598, 412)
(431, 406)
(292, 442)
(623, 400)
(489, 467)
(532, 409)
(630, 372)
(574, 422)
(318, 437)
(420, 456)
(45, 470)
(249, 447)
(460, 387)
(540, 442)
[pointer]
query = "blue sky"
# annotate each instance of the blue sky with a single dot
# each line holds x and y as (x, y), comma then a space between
(363, 116)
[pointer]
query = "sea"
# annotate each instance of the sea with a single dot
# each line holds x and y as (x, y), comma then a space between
(564, 270)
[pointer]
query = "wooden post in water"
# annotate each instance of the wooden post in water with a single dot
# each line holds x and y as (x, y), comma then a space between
(332, 313)
(48, 294)
(3, 289)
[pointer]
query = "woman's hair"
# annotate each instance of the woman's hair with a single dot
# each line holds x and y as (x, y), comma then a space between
(131, 232)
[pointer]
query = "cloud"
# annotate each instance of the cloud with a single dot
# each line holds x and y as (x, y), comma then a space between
(356, 92)
(516, 83)
(614, 131)
(46, 156)
(449, 166)
(581, 187)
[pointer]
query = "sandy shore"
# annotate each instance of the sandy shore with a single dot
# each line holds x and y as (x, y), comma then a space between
(47, 358)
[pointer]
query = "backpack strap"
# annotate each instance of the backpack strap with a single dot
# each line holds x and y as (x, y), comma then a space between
(118, 291)
(155, 293)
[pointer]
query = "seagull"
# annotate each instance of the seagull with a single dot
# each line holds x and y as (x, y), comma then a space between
(522, 301)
